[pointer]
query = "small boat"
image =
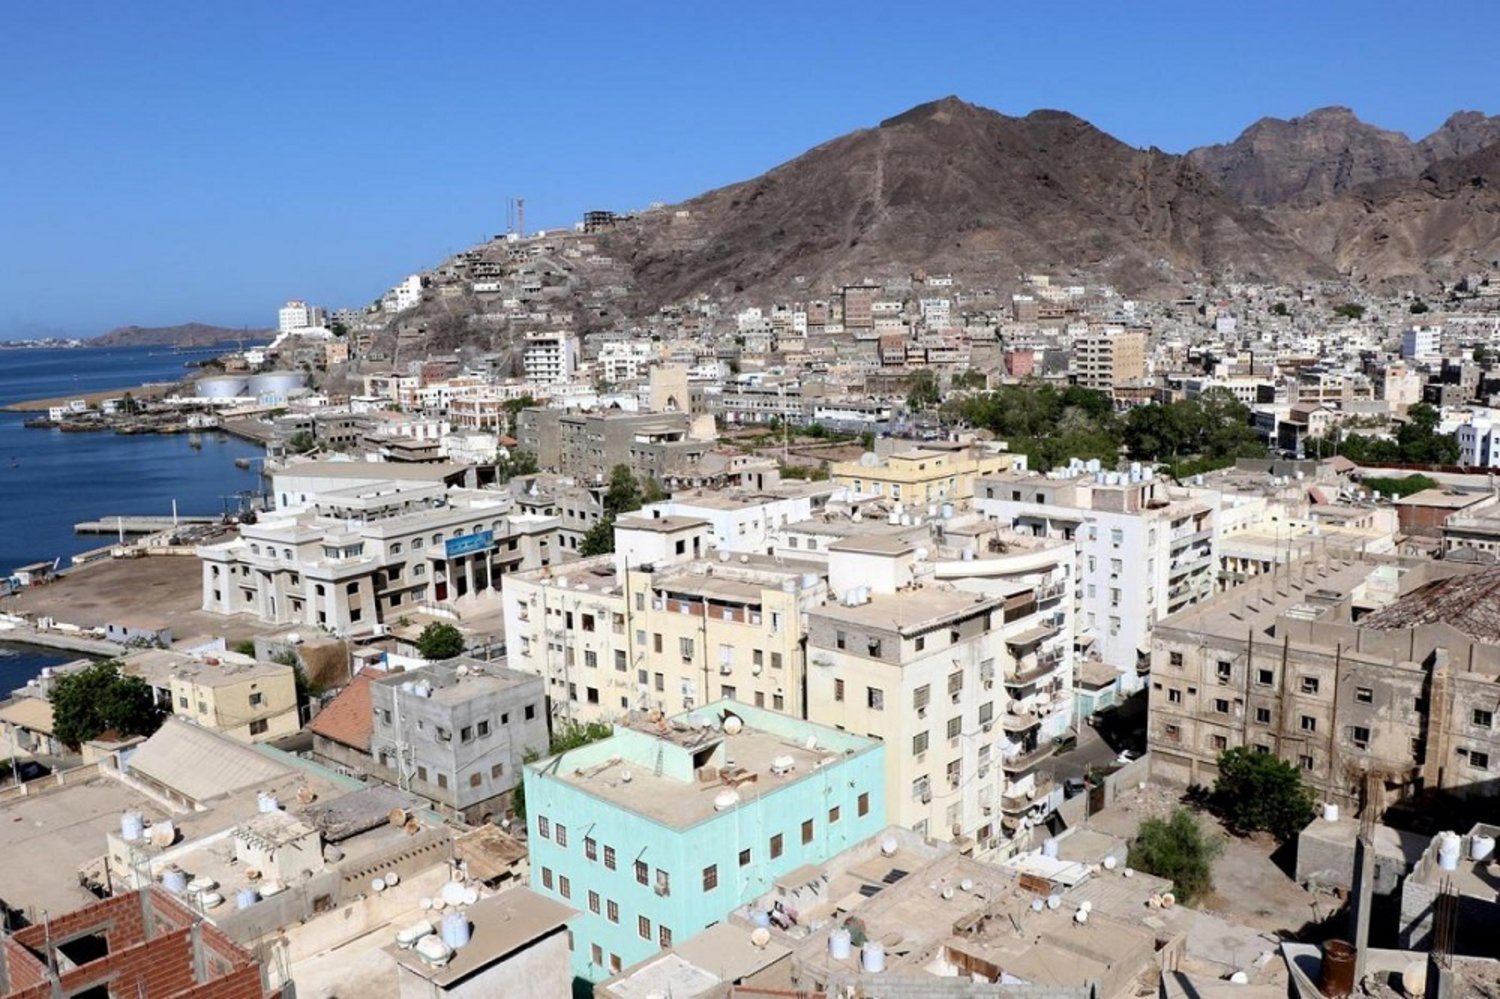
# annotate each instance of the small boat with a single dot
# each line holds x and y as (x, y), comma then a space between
(242, 463)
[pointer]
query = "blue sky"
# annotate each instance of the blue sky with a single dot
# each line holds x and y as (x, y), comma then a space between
(175, 161)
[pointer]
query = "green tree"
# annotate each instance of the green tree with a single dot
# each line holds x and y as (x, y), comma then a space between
(571, 735)
(1481, 354)
(1418, 307)
(599, 539)
(301, 442)
(1177, 848)
(973, 378)
(99, 699)
(1404, 486)
(652, 492)
(516, 463)
(1280, 309)
(922, 392)
(1350, 310)
(1261, 792)
(624, 492)
(440, 640)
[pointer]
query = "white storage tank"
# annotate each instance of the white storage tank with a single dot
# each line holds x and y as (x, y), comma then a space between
(277, 382)
(174, 880)
(1481, 846)
(840, 944)
(245, 898)
(872, 957)
(132, 826)
(455, 930)
(221, 387)
(1449, 850)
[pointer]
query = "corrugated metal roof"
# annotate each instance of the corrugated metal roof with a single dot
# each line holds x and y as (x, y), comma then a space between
(200, 764)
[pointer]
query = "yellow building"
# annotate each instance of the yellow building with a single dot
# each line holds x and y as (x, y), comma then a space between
(236, 695)
(926, 474)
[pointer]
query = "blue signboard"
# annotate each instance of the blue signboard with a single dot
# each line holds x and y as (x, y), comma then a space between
(468, 544)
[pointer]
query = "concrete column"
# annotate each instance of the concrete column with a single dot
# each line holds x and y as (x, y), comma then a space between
(469, 572)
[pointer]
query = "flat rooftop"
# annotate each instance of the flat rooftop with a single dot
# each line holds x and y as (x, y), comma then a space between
(457, 680)
(661, 525)
(911, 610)
(500, 926)
(1257, 604)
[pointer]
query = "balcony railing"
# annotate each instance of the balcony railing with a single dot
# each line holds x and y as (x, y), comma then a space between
(1028, 759)
(1016, 803)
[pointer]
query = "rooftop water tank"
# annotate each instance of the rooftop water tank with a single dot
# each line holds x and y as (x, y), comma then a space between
(839, 944)
(455, 930)
(1481, 846)
(725, 799)
(245, 898)
(433, 951)
(132, 826)
(407, 939)
(872, 957)
(174, 880)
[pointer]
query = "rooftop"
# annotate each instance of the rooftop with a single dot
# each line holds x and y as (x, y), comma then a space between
(660, 525)
(349, 717)
(912, 610)
(1468, 602)
(1258, 603)
(501, 925)
(454, 681)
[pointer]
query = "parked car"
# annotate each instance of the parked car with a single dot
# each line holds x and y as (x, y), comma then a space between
(1074, 786)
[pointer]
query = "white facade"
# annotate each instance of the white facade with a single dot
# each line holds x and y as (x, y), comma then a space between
(550, 358)
(406, 295)
(298, 315)
(1422, 342)
(1478, 445)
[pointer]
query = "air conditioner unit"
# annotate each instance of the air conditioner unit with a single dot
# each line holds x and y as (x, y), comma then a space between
(956, 695)
(922, 711)
(988, 725)
(989, 809)
(958, 829)
(984, 770)
(926, 795)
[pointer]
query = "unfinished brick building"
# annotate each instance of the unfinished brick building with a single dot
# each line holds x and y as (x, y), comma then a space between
(145, 944)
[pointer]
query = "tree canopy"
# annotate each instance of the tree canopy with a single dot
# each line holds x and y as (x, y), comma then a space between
(99, 699)
(1261, 792)
(440, 640)
(1177, 848)
(1417, 442)
(517, 462)
(922, 391)
(570, 735)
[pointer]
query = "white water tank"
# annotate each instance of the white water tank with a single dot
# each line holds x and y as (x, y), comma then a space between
(1330, 812)
(725, 800)
(1449, 850)
(455, 930)
(132, 826)
(889, 846)
(733, 725)
(1481, 846)
(1049, 846)
(407, 939)
(174, 880)
(872, 957)
(839, 944)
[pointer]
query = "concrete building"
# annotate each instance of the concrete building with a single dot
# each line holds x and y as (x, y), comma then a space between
(925, 475)
(1422, 343)
(669, 825)
(747, 520)
(1144, 550)
(1467, 873)
(1108, 357)
(962, 666)
(587, 446)
(236, 695)
(455, 732)
(550, 358)
(1355, 670)
(364, 556)
(517, 945)
(298, 315)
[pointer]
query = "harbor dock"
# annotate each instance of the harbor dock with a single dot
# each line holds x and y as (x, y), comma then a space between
(136, 525)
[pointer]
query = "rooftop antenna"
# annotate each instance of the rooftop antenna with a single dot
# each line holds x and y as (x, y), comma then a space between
(521, 217)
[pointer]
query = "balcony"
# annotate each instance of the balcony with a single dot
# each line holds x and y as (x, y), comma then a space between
(1019, 803)
(1023, 721)
(1032, 636)
(1051, 591)
(1045, 663)
(1028, 758)
(1182, 537)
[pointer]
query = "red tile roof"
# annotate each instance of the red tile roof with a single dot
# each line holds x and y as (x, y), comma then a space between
(348, 718)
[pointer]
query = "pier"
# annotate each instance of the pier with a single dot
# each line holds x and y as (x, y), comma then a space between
(136, 525)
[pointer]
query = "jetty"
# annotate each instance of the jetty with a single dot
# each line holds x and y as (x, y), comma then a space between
(136, 525)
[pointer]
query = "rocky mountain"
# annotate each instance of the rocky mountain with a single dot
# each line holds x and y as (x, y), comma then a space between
(1329, 151)
(185, 335)
(950, 187)
(1444, 221)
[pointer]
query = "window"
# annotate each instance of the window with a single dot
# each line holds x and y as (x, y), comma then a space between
(807, 831)
(919, 744)
(776, 660)
(655, 641)
(833, 814)
(530, 712)
(1263, 716)
(1172, 733)
(1225, 670)
(1364, 695)
(921, 697)
(612, 910)
(864, 804)
(257, 699)
(475, 779)
(596, 955)
(663, 937)
(1309, 723)
(1218, 742)
(710, 877)
(614, 959)
(542, 826)
(1221, 705)
(745, 857)
(1174, 695)
(955, 683)
(838, 690)
(1174, 659)
(1359, 735)
(590, 848)
(1305, 762)
(259, 726)
(547, 878)
(642, 872)
(1265, 677)
(564, 886)
(920, 643)
(874, 698)
(643, 927)
(1309, 685)
(561, 834)
(483, 728)
(1478, 760)
(776, 846)
(663, 882)
(955, 726)
(685, 648)
(591, 659)
(466, 734)
(1484, 718)
(442, 781)
(594, 902)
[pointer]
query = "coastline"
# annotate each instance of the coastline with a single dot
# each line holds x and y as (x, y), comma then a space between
(153, 390)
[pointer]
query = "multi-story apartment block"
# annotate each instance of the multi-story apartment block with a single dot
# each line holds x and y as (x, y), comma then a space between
(366, 555)
(961, 662)
(456, 732)
(859, 306)
(587, 446)
(1362, 672)
(748, 520)
(666, 827)
(1110, 356)
(1144, 550)
(926, 474)
(550, 358)
(298, 315)
(661, 625)
(237, 695)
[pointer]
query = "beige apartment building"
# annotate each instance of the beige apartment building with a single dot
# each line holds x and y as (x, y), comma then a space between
(1109, 356)
(920, 476)
(1352, 669)
(235, 695)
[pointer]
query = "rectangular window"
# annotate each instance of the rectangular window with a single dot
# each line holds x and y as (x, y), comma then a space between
(259, 726)
(874, 698)
(612, 910)
(1225, 670)
(1265, 677)
(1309, 723)
(483, 728)
(1484, 718)
(955, 683)
(663, 937)
(542, 826)
(838, 690)
(1478, 760)
(864, 804)
(590, 848)
(833, 814)
(710, 877)
(1305, 762)
(1364, 695)
(1309, 685)
(596, 955)
(685, 648)
(1218, 742)
(1263, 716)
(642, 872)
(807, 831)
(919, 744)
(1174, 696)
(921, 697)
(776, 846)
(955, 726)
(663, 882)
(1221, 705)
(745, 857)
(609, 858)
(1359, 735)
(564, 886)
(547, 878)
(1174, 659)
(561, 834)
(594, 902)
(643, 927)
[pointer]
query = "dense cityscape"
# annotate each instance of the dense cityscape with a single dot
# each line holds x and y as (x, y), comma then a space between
(976, 558)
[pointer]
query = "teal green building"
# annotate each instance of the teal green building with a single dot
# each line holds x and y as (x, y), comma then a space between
(662, 829)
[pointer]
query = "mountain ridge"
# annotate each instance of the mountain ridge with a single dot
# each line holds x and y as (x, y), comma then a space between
(193, 334)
